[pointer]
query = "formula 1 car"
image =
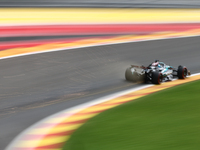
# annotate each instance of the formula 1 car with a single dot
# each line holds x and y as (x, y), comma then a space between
(157, 72)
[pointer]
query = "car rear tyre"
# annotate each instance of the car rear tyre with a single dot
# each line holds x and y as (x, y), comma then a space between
(145, 78)
(182, 72)
(156, 77)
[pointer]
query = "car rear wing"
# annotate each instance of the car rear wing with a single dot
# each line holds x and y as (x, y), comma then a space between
(142, 67)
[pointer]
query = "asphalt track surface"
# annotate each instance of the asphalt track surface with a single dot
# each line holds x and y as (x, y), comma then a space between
(103, 3)
(36, 86)
(59, 37)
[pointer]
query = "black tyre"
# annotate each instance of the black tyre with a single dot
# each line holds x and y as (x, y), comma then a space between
(182, 72)
(145, 79)
(156, 77)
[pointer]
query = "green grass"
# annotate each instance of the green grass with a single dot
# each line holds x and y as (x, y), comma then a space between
(166, 120)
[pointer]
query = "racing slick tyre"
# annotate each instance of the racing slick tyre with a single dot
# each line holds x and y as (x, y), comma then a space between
(156, 77)
(129, 75)
(145, 79)
(182, 72)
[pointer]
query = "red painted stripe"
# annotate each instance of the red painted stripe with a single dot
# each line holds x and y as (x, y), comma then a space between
(35, 137)
(60, 134)
(15, 45)
(41, 30)
(53, 146)
(73, 122)
(45, 125)
(30, 43)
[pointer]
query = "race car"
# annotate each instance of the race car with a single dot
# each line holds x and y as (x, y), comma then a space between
(157, 72)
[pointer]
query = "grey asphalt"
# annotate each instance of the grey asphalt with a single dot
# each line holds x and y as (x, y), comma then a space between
(59, 37)
(103, 3)
(36, 86)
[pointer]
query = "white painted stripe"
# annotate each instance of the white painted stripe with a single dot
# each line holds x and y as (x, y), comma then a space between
(196, 74)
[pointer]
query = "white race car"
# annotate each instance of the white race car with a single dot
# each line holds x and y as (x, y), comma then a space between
(156, 73)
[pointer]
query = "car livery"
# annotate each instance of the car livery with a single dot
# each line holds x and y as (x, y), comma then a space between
(157, 72)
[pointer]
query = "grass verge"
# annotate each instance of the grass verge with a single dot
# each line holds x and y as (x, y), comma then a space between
(169, 119)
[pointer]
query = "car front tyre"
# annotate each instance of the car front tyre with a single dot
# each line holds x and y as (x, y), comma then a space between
(182, 72)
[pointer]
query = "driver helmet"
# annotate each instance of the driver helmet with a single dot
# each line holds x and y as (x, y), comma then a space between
(156, 63)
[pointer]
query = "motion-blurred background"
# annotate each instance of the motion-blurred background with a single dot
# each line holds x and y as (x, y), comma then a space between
(36, 86)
